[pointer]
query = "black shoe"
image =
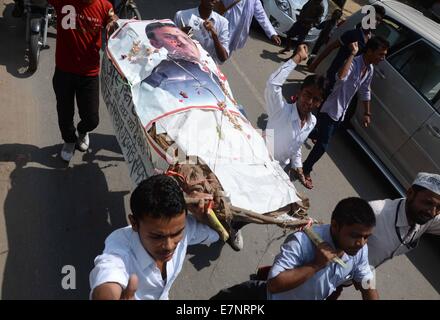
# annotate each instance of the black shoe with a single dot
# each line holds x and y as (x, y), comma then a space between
(18, 10)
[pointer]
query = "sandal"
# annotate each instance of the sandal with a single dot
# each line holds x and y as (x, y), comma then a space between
(306, 181)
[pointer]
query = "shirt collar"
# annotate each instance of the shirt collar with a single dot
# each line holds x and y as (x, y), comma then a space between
(295, 115)
(141, 255)
(402, 220)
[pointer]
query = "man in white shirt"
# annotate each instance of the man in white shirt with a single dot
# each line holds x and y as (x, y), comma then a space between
(209, 28)
(290, 124)
(303, 271)
(401, 222)
(239, 15)
(142, 261)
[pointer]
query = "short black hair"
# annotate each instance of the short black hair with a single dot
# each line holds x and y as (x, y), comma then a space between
(375, 43)
(354, 210)
(380, 10)
(314, 80)
(159, 197)
(149, 29)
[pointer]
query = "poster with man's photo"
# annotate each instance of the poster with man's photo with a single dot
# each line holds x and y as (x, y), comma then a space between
(159, 84)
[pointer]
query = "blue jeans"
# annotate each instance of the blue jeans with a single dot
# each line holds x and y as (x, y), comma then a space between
(325, 128)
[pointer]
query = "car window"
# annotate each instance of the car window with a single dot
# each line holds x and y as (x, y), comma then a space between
(395, 33)
(419, 63)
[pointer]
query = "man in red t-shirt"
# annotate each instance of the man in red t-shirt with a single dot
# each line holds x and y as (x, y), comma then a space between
(79, 30)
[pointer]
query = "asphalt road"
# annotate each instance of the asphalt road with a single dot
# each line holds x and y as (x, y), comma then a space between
(53, 215)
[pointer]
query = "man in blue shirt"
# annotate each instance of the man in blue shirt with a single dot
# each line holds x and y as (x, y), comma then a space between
(303, 271)
(359, 35)
(355, 75)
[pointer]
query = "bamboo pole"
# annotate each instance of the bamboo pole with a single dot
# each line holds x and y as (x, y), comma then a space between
(316, 239)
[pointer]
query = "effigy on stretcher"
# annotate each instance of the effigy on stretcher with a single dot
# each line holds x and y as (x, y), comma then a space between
(173, 112)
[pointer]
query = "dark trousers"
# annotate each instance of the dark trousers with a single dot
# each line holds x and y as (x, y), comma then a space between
(67, 87)
(325, 128)
(298, 30)
(249, 290)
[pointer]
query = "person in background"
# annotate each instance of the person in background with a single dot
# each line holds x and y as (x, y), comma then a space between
(355, 75)
(213, 33)
(327, 27)
(77, 64)
(310, 16)
(359, 35)
(290, 124)
(239, 14)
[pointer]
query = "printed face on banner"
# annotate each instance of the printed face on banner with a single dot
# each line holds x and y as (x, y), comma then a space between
(177, 42)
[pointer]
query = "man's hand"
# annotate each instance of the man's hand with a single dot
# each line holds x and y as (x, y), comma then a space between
(200, 209)
(354, 48)
(324, 254)
(209, 26)
(302, 53)
(276, 39)
(130, 290)
(112, 25)
(186, 29)
(367, 120)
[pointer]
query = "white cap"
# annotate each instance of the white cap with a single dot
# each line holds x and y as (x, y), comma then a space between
(430, 181)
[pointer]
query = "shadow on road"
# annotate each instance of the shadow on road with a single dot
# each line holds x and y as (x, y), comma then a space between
(426, 259)
(269, 55)
(55, 216)
(203, 254)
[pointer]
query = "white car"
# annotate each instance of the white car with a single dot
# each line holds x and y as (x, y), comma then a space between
(282, 14)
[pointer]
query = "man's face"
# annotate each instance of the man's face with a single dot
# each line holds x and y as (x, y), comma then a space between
(422, 206)
(209, 4)
(309, 99)
(351, 238)
(377, 55)
(178, 44)
(160, 237)
(379, 20)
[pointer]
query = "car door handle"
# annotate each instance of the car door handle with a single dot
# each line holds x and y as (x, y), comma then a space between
(380, 73)
(435, 131)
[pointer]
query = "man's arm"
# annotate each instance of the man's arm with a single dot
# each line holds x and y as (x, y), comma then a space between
(111, 24)
(364, 279)
(369, 294)
(345, 70)
(367, 113)
(220, 48)
(291, 279)
(114, 291)
(273, 92)
(365, 96)
(296, 159)
(263, 20)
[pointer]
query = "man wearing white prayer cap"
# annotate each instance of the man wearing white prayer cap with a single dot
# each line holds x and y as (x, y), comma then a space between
(401, 222)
